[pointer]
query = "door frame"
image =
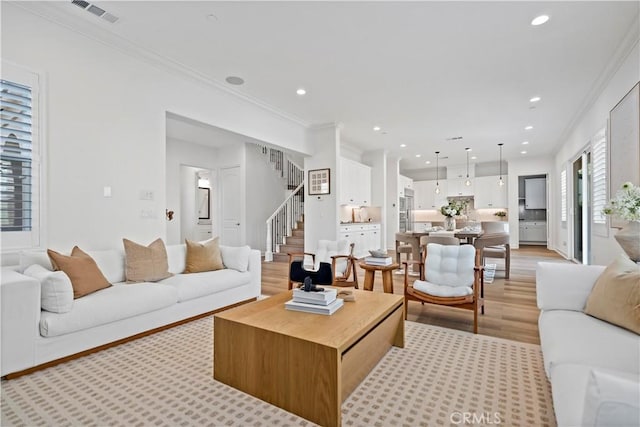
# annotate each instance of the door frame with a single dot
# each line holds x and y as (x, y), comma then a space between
(584, 154)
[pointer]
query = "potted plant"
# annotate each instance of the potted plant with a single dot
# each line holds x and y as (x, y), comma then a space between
(501, 214)
(451, 210)
(626, 205)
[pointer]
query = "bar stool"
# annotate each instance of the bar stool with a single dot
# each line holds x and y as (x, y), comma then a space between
(402, 247)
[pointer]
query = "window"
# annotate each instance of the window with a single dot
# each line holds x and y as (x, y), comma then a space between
(563, 196)
(19, 160)
(599, 177)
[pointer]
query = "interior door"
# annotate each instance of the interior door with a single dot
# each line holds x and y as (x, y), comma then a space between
(230, 199)
(582, 208)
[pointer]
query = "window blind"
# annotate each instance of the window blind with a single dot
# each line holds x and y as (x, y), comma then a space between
(563, 195)
(16, 157)
(599, 177)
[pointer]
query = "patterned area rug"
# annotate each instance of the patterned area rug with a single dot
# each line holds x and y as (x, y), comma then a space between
(442, 377)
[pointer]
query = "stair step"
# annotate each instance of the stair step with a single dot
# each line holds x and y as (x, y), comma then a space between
(299, 232)
(280, 257)
(294, 240)
(299, 225)
(291, 248)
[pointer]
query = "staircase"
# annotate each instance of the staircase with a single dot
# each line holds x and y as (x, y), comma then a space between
(292, 243)
(285, 227)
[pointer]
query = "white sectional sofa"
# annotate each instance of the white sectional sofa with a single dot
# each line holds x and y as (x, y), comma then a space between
(582, 352)
(31, 336)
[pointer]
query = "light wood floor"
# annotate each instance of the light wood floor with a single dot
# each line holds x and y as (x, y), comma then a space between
(510, 305)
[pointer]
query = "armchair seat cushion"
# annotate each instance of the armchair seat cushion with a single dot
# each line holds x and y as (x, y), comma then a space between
(429, 288)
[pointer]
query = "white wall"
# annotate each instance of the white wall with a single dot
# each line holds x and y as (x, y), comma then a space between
(265, 192)
(181, 153)
(377, 159)
(392, 208)
(604, 249)
(105, 114)
(321, 213)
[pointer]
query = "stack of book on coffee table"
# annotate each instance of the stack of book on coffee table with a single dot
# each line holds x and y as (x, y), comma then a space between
(377, 260)
(324, 302)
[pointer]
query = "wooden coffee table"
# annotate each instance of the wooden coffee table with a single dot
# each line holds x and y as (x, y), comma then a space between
(370, 274)
(305, 363)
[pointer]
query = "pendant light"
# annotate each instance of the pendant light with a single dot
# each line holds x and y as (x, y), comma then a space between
(468, 181)
(500, 181)
(437, 175)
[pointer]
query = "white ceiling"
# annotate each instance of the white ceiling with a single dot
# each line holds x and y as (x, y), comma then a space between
(423, 71)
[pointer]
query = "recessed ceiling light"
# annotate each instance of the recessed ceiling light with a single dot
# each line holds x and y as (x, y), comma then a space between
(474, 157)
(525, 142)
(376, 128)
(301, 91)
(535, 99)
(428, 162)
(418, 155)
(403, 145)
(234, 80)
(528, 127)
(212, 17)
(523, 152)
(539, 20)
(467, 149)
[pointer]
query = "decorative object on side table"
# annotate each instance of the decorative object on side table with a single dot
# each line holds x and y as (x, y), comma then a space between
(450, 211)
(626, 205)
(501, 214)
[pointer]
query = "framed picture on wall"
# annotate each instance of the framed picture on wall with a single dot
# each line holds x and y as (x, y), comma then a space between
(319, 182)
(624, 145)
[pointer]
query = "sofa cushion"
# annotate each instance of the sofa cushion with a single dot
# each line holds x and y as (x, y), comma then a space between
(236, 258)
(615, 297)
(177, 257)
(56, 290)
(612, 399)
(195, 285)
(28, 258)
(117, 302)
(573, 337)
(145, 263)
(110, 263)
(203, 256)
(569, 385)
(83, 271)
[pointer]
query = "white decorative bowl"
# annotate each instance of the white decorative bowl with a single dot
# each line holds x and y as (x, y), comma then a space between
(378, 253)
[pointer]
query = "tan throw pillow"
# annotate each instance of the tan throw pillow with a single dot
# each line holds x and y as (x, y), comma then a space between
(203, 256)
(82, 270)
(145, 263)
(615, 298)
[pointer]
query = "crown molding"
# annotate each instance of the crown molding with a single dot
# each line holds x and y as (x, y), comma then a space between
(629, 42)
(54, 13)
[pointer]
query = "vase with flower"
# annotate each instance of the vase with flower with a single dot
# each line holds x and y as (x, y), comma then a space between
(450, 211)
(626, 205)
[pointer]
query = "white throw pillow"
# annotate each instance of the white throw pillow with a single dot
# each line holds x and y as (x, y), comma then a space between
(612, 400)
(236, 258)
(56, 291)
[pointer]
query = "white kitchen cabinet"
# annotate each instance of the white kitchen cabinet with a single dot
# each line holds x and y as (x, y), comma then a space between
(488, 194)
(533, 232)
(355, 184)
(535, 193)
(456, 187)
(425, 195)
(404, 182)
(364, 236)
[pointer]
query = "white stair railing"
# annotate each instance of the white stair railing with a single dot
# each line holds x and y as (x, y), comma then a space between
(284, 220)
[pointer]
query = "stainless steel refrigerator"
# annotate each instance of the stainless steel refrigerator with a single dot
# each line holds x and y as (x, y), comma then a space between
(406, 211)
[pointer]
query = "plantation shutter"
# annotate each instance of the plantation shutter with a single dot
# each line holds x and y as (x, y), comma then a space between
(563, 196)
(599, 177)
(16, 158)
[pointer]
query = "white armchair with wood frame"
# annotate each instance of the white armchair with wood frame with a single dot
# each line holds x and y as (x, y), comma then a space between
(339, 254)
(448, 276)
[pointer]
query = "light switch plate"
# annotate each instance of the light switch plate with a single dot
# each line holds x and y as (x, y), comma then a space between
(146, 194)
(106, 191)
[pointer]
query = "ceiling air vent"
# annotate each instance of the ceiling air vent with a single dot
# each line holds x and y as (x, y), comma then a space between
(81, 3)
(95, 10)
